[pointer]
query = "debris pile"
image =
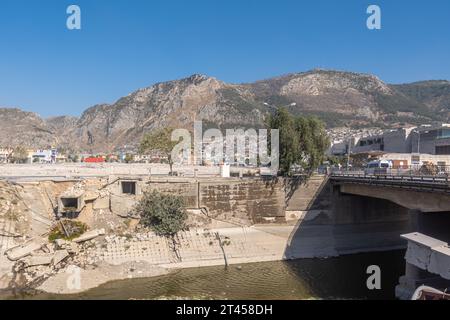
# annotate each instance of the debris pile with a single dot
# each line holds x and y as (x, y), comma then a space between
(36, 260)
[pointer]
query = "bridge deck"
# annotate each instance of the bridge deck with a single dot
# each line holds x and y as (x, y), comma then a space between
(422, 183)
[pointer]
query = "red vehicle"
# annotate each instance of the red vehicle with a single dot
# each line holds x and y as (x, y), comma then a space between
(94, 160)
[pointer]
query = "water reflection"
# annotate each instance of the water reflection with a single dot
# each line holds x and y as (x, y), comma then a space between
(335, 278)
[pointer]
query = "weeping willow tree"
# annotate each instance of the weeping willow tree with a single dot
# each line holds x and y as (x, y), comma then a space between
(303, 140)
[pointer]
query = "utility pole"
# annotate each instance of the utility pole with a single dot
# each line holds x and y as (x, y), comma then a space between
(418, 143)
(349, 150)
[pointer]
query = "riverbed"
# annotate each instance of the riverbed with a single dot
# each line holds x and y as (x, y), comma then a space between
(335, 278)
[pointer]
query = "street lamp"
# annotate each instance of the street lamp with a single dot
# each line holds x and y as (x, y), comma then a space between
(418, 139)
(418, 132)
(349, 151)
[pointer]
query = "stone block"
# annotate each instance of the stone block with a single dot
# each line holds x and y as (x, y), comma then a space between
(59, 256)
(90, 235)
(22, 251)
(440, 262)
(39, 260)
(101, 203)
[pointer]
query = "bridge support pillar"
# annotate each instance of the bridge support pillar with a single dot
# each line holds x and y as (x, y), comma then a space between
(414, 277)
(424, 263)
(415, 217)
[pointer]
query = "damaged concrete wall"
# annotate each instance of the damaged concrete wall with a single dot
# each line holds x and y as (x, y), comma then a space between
(244, 201)
(428, 254)
(122, 205)
(240, 201)
(188, 190)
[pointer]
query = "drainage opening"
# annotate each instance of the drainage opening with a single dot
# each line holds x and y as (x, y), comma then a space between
(69, 204)
(129, 187)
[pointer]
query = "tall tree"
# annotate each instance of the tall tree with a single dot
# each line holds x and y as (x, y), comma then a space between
(303, 140)
(19, 155)
(159, 141)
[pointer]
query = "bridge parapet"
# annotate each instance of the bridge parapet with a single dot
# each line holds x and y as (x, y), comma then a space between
(433, 183)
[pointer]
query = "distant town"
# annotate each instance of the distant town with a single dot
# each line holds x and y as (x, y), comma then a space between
(416, 145)
(53, 156)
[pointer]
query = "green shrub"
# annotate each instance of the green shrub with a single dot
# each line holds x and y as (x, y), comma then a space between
(163, 213)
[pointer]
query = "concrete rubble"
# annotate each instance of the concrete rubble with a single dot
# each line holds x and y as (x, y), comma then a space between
(428, 254)
(427, 261)
(90, 235)
(24, 250)
(38, 260)
(9, 234)
(59, 256)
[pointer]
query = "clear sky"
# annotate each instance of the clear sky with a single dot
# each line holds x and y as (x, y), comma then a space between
(129, 44)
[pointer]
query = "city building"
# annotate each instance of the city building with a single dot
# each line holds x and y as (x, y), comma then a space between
(398, 141)
(44, 156)
(431, 140)
(426, 139)
(142, 158)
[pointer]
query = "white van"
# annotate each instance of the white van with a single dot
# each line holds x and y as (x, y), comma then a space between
(378, 167)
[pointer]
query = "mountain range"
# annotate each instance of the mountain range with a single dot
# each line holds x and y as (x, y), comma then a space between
(338, 98)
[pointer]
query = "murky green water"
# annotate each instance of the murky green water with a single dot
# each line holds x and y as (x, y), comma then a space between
(335, 278)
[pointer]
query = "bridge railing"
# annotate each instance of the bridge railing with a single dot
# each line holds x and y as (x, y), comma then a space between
(432, 173)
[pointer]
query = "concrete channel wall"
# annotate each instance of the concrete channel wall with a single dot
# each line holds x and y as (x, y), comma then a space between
(243, 201)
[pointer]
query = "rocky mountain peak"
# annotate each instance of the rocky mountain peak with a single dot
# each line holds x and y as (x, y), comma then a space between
(337, 97)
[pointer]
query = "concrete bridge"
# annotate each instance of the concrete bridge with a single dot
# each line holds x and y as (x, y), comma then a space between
(423, 200)
(423, 193)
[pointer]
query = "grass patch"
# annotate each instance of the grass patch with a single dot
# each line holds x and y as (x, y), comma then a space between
(73, 228)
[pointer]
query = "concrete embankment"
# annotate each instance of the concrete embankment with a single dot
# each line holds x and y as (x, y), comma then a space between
(233, 221)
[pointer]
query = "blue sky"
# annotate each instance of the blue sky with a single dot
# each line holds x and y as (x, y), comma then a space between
(126, 45)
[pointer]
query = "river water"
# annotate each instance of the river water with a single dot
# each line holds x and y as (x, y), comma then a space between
(335, 278)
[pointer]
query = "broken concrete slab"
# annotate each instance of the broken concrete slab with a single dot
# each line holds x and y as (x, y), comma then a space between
(440, 262)
(90, 235)
(101, 203)
(7, 234)
(23, 250)
(90, 195)
(59, 256)
(423, 240)
(73, 248)
(420, 249)
(39, 260)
